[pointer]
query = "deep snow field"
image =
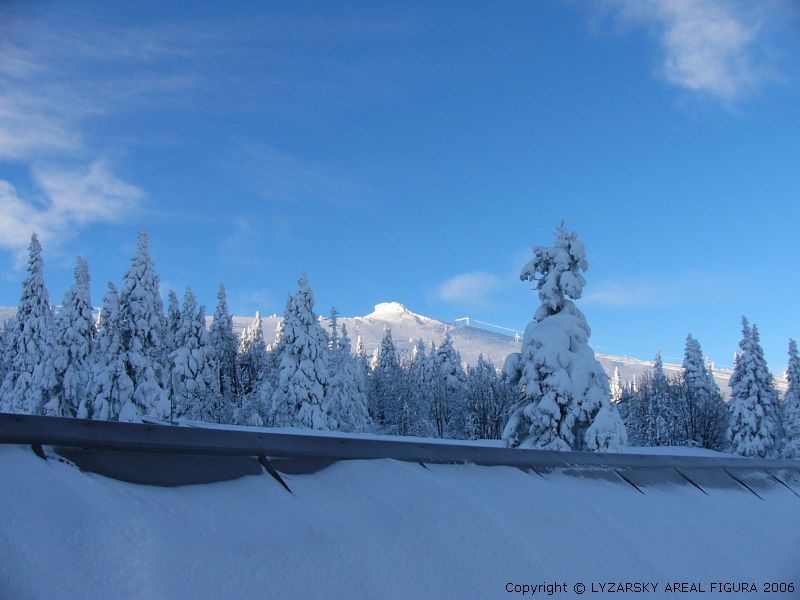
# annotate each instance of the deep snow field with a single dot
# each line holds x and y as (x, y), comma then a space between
(377, 529)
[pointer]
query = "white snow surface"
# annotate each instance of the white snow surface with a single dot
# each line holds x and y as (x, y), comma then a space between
(375, 529)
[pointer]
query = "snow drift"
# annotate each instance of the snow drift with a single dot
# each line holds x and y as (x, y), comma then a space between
(376, 529)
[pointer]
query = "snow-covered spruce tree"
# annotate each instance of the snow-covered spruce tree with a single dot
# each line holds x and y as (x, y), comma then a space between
(700, 417)
(616, 386)
(6, 339)
(635, 410)
(142, 323)
(418, 396)
(565, 400)
(111, 388)
(333, 337)
(223, 343)
(791, 405)
(361, 352)
(752, 429)
(194, 383)
(173, 323)
(75, 336)
(257, 370)
(660, 414)
(385, 397)
(273, 354)
(300, 395)
(774, 407)
(252, 357)
(448, 391)
(347, 397)
(31, 379)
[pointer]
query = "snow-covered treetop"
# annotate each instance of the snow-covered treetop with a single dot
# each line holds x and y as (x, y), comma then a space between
(793, 368)
(557, 271)
(33, 286)
(658, 370)
(303, 288)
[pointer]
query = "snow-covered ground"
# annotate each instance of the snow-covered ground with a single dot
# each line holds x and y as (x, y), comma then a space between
(377, 529)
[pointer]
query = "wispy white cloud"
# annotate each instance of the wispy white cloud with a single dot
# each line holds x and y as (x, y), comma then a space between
(247, 302)
(85, 196)
(712, 47)
(28, 130)
(469, 288)
(669, 291)
(282, 177)
(55, 79)
(69, 199)
(628, 295)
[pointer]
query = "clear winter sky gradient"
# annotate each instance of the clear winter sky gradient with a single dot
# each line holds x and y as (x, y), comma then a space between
(415, 152)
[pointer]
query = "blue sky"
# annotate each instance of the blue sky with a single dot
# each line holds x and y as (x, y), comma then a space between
(415, 152)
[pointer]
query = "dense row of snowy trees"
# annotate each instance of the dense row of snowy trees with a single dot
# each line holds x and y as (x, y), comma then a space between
(687, 409)
(139, 359)
(683, 410)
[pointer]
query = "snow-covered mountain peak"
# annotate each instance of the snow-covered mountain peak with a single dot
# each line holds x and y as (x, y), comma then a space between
(394, 311)
(388, 308)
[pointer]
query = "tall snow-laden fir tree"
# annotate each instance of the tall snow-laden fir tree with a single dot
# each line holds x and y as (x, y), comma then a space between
(361, 352)
(752, 429)
(385, 398)
(273, 354)
(252, 357)
(30, 384)
(791, 405)
(194, 384)
(659, 415)
(6, 339)
(333, 337)
(362, 358)
(347, 404)
(75, 336)
(700, 416)
(418, 397)
(616, 386)
(142, 325)
(111, 387)
(258, 367)
(223, 343)
(774, 407)
(300, 395)
(173, 323)
(565, 400)
(448, 390)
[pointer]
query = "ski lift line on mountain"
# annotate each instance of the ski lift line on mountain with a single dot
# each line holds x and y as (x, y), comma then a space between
(469, 320)
(673, 360)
